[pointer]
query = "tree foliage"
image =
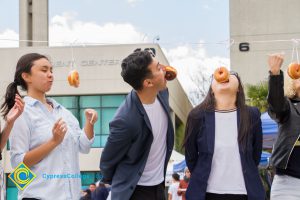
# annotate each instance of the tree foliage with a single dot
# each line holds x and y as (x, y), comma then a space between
(257, 95)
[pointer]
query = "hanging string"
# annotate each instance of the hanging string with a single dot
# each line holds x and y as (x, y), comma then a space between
(295, 50)
(228, 43)
(72, 54)
(297, 44)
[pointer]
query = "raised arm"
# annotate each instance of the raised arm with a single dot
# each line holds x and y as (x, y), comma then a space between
(278, 104)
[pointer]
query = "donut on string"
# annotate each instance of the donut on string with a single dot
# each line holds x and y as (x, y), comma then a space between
(294, 70)
(171, 73)
(221, 75)
(73, 78)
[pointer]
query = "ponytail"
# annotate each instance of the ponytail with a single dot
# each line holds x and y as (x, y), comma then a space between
(11, 91)
(23, 66)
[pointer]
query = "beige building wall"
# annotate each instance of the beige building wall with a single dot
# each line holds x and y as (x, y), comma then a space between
(99, 68)
(33, 22)
(262, 20)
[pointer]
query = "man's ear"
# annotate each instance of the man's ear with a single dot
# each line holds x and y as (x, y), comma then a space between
(147, 83)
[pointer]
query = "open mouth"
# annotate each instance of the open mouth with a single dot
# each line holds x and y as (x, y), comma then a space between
(225, 82)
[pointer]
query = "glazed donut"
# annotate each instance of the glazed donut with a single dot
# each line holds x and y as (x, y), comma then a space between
(221, 74)
(73, 78)
(171, 73)
(294, 70)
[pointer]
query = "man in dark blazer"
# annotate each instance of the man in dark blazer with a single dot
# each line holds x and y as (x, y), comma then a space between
(135, 157)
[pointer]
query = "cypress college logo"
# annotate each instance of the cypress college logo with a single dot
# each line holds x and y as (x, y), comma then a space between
(22, 176)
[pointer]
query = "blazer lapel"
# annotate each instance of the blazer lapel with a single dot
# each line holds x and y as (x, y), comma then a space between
(141, 108)
(210, 126)
(238, 127)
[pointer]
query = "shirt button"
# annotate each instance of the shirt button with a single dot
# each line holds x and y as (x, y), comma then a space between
(140, 173)
(131, 187)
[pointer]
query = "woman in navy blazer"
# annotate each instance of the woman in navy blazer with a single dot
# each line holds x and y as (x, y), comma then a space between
(223, 144)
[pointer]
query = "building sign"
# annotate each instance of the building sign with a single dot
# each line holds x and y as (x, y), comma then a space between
(87, 63)
(94, 62)
(244, 46)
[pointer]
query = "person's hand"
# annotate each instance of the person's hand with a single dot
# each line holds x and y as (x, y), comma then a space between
(59, 131)
(16, 110)
(91, 116)
(275, 61)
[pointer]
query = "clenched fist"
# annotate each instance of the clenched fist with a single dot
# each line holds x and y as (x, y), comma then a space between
(91, 116)
(275, 61)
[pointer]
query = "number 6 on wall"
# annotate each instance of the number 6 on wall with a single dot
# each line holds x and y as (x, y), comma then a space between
(244, 46)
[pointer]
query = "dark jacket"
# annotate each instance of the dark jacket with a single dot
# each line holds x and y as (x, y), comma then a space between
(199, 152)
(287, 114)
(125, 154)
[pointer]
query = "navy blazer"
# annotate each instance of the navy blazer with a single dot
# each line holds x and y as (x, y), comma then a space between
(126, 151)
(199, 152)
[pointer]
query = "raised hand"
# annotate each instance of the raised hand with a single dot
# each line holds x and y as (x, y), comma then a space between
(275, 61)
(16, 110)
(59, 131)
(91, 116)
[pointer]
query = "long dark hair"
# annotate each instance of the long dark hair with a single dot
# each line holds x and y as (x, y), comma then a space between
(209, 104)
(24, 65)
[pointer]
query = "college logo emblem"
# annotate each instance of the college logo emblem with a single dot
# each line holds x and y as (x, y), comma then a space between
(22, 176)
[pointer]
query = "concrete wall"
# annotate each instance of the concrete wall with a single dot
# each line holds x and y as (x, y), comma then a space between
(259, 20)
(33, 22)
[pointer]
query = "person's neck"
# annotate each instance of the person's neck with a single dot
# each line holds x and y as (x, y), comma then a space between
(225, 102)
(146, 96)
(38, 96)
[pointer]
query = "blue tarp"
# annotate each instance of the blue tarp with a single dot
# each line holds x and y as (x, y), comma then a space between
(179, 167)
(264, 158)
(269, 126)
(270, 129)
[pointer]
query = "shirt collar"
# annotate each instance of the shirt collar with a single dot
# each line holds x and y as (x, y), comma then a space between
(31, 101)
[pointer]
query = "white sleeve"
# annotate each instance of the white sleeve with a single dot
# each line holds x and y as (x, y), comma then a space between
(79, 135)
(19, 141)
(171, 189)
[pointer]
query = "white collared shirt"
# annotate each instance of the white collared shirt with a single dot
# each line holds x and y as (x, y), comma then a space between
(58, 174)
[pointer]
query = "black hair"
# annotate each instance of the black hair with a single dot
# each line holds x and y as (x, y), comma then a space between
(176, 177)
(24, 65)
(209, 104)
(135, 68)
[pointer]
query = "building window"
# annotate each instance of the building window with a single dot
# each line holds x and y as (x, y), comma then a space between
(88, 178)
(11, 189)
(105, 105)
(70, 103)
